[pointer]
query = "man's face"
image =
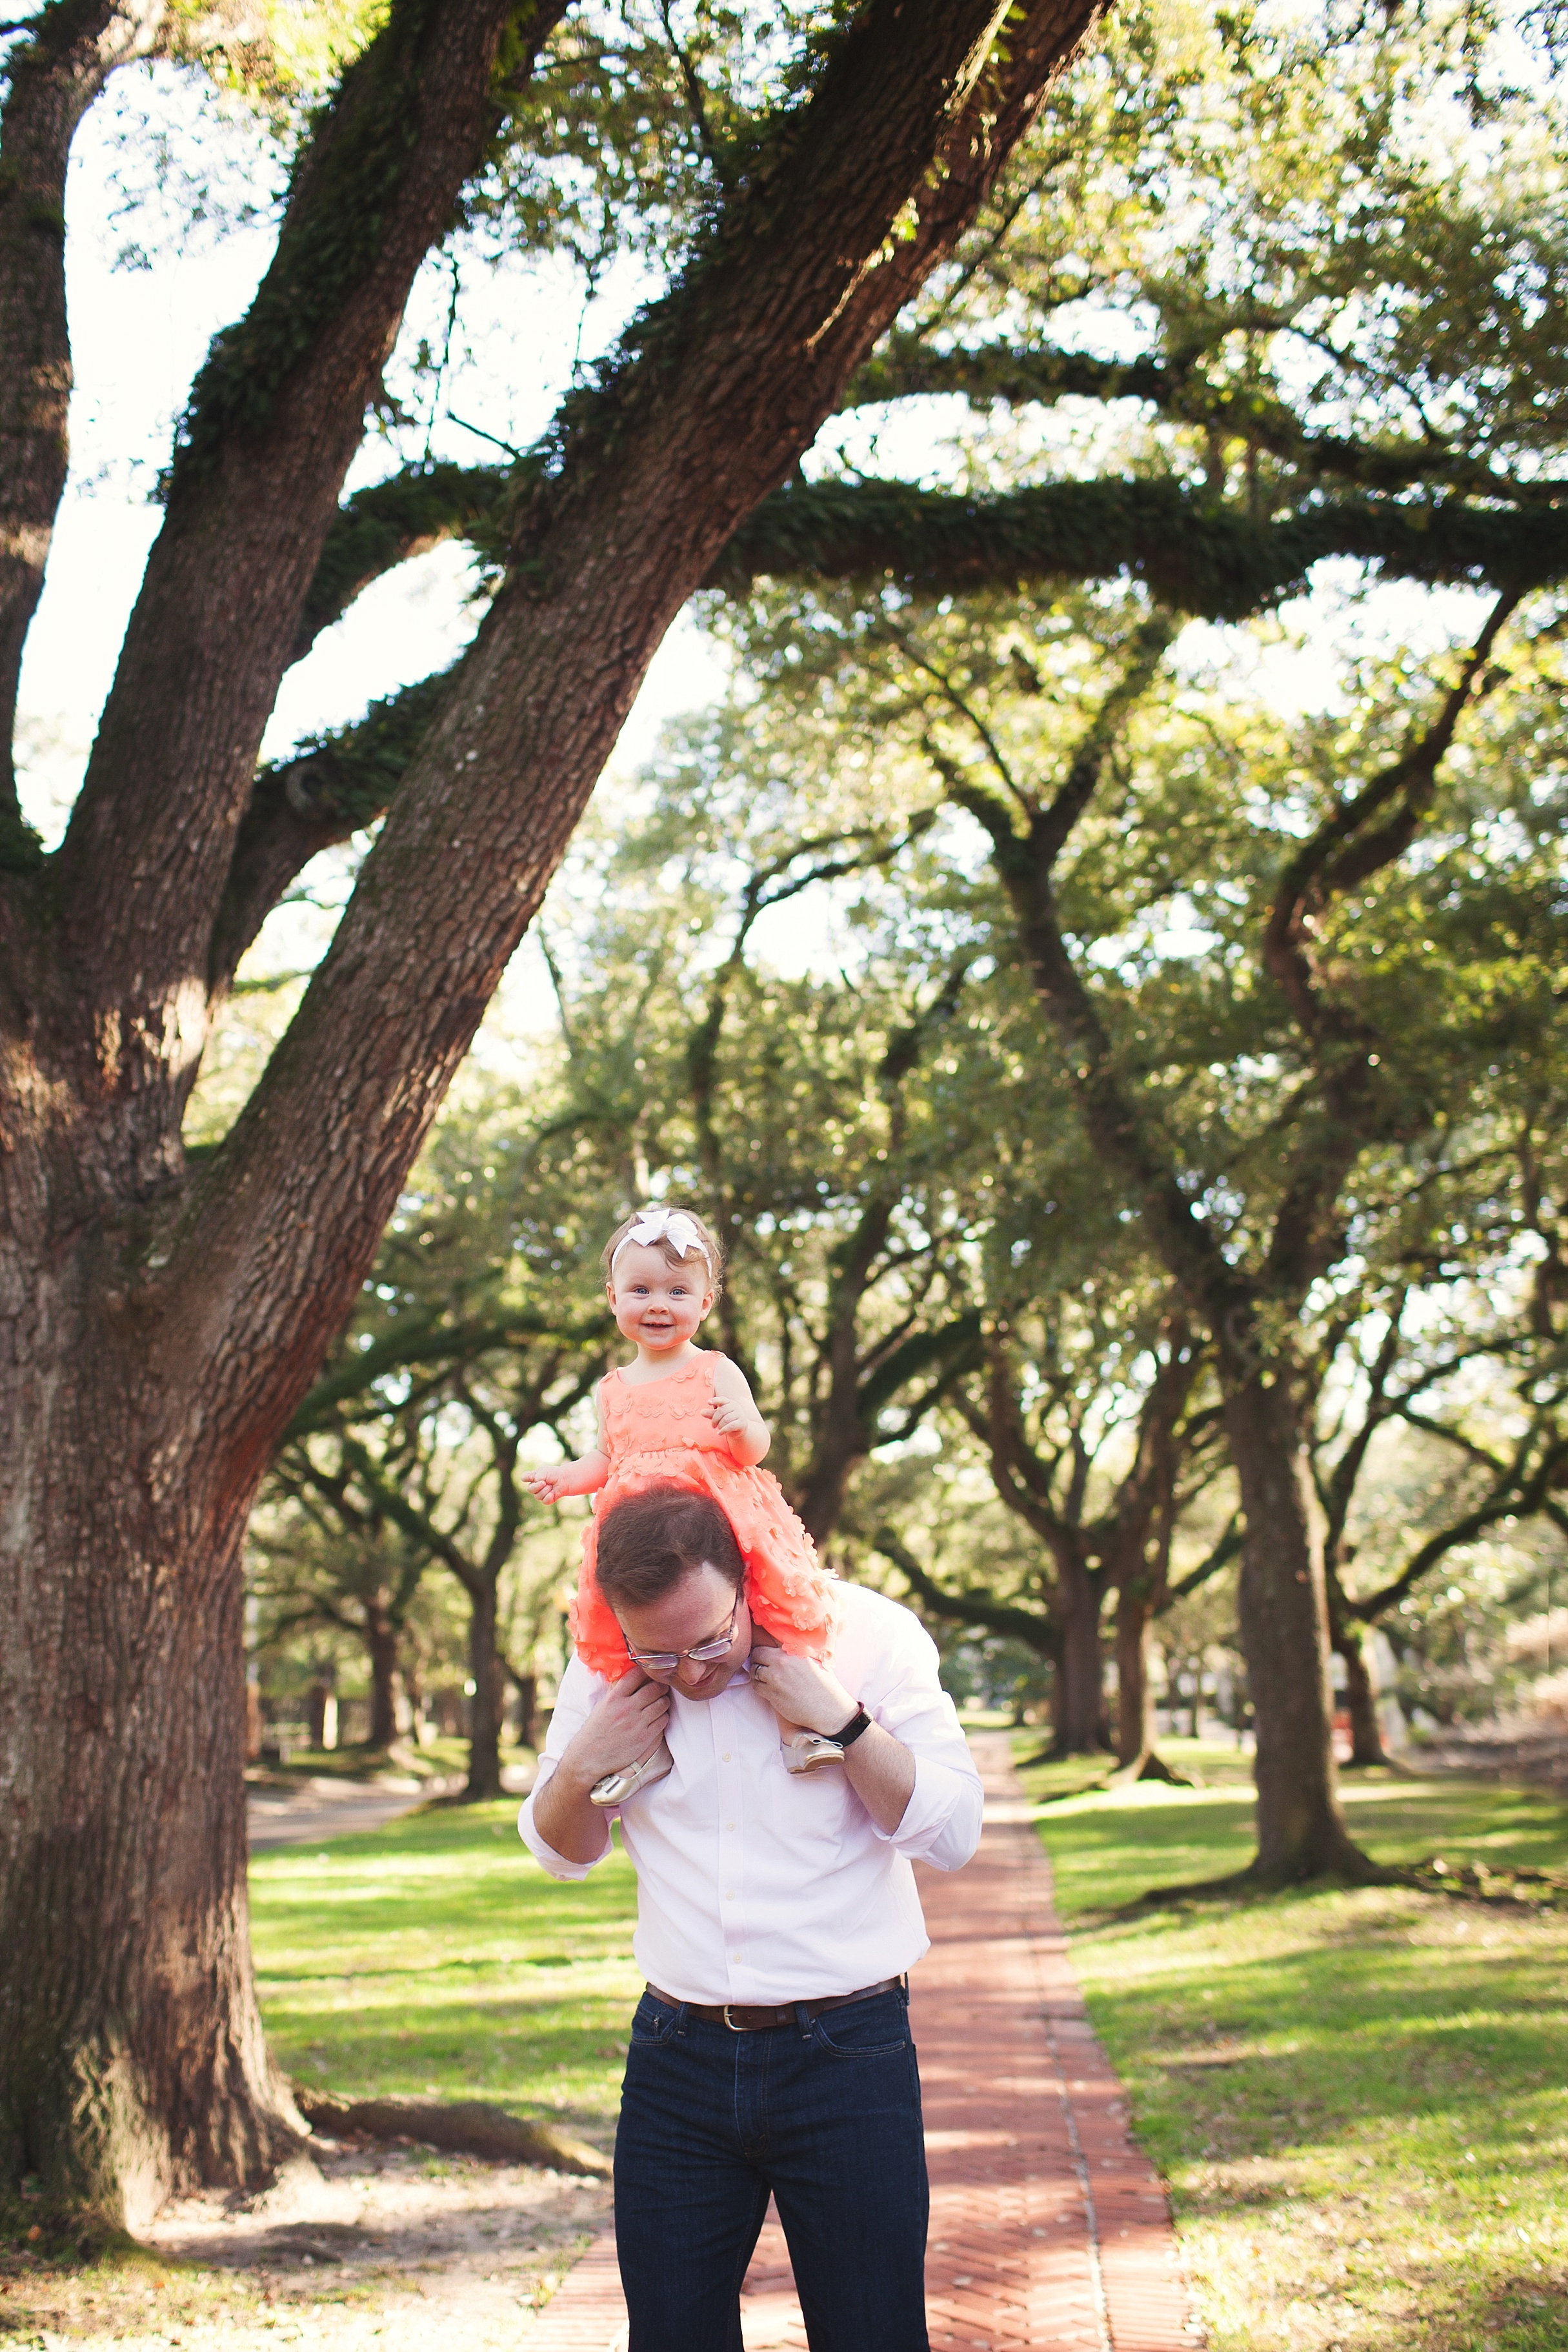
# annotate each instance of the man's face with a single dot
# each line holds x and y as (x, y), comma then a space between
(703, 1607)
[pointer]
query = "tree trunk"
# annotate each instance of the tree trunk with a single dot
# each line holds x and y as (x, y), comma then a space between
(484, 1709)
(527, 1688)
(134, 2058)
(1284, 1631)
(381, 1641)
(1080, 1669)
(414, 1692)
(1361, 1690)
(1135, 1703)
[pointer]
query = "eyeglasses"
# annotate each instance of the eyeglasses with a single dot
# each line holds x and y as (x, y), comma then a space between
(665, 1662)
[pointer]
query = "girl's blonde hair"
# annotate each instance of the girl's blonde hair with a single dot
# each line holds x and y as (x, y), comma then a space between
(707, 1239)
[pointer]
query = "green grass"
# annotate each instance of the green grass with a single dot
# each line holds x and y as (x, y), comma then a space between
(1357, 2097)
(436, 1956)
(442, 1758)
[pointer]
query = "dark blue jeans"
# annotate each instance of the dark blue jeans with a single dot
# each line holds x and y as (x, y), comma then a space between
(826, 2114)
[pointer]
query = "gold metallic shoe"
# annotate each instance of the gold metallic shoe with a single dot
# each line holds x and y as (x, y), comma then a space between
(616, 1787)
(808, 1751)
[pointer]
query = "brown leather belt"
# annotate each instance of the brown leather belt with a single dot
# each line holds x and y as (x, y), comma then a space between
(758, 2021)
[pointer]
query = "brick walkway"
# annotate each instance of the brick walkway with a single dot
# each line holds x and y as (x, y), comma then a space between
(1048, 2229)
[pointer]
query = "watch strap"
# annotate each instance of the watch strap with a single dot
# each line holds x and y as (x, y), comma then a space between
(858, 1722)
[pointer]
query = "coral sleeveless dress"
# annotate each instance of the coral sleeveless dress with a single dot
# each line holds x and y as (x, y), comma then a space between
(659, 1430)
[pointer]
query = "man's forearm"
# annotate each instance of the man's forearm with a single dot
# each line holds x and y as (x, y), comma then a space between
(882, 1774)
(565, 1819)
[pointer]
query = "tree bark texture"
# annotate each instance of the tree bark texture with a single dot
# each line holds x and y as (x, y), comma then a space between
(133, 2049)
(380, 1645)
(163, 1323)
(1135, 1698)
(1080, 1714)
(1361, 1698)
(1285, 1635)
(486, 1674)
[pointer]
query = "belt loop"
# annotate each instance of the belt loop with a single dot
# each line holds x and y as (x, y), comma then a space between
(803, 2019)
(682, 2018)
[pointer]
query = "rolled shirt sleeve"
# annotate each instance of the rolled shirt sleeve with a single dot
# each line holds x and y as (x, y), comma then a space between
(579, 1695)
(942, 1822)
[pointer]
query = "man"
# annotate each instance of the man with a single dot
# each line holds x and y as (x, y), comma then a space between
(777, 1916)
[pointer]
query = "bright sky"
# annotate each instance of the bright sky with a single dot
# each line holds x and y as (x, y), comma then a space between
(139, 334)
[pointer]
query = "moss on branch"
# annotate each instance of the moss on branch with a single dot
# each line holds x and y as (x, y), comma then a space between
(1195, 554)
(345, 778)
(386, 525)
(983, 374)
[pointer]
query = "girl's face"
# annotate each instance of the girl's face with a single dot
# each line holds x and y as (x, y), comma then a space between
(657, 1305)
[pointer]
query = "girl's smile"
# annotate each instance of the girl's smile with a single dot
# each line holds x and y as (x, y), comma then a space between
(657, 1305)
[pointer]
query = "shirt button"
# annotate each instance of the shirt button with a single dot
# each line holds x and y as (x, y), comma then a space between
(729, 1825)
(725, 1757)
(729, 1898)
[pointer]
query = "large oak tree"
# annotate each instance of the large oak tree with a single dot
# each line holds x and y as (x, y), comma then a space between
(163, 1319)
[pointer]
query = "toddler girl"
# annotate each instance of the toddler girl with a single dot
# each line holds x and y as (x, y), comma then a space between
(682, 1413)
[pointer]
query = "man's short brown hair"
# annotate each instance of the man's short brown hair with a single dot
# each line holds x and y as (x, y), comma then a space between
(646, 1544)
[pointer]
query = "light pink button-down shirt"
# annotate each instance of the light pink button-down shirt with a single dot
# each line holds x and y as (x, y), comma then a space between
(756, 1884)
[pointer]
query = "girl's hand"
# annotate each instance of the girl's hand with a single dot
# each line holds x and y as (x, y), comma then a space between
(545, 1485)
(585, 1477)
(729, 1417)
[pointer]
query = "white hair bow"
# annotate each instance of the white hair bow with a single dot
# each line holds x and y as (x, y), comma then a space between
(673, 1225)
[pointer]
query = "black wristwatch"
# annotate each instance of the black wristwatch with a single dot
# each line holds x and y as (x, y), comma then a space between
(858, 1722)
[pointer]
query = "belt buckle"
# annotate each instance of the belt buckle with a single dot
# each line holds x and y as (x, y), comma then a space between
(730, 2021)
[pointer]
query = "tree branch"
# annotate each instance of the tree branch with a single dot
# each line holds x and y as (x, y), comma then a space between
(334, 787)
(387, 524)
(1364, 833)
(1038, 1630)
(1196, 556)
(907, 367)
(52, 80)
(274, 418)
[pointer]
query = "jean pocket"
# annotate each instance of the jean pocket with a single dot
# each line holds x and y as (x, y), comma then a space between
(867, 2029)
(653, 2023)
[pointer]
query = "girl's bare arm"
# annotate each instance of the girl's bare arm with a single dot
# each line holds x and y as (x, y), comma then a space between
(583, 1476)
(735, 1414)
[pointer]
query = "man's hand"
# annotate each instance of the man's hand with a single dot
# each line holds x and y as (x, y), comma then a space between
(626, 1726)
(800, 1691)
(878, 1768)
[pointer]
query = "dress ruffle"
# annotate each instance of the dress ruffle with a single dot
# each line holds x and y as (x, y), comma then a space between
(659, 1430)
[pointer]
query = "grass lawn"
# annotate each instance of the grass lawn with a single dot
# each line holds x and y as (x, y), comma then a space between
(1359, 2097)
(441, 1758)
(434, 1956)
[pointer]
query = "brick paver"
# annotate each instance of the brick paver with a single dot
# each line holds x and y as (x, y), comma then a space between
(1050, 2228)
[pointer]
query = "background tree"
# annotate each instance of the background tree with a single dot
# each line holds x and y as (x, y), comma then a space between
(323, 1556)
(1242, 1189)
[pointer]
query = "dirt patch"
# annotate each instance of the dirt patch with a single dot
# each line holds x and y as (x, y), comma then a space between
(371, 2249)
